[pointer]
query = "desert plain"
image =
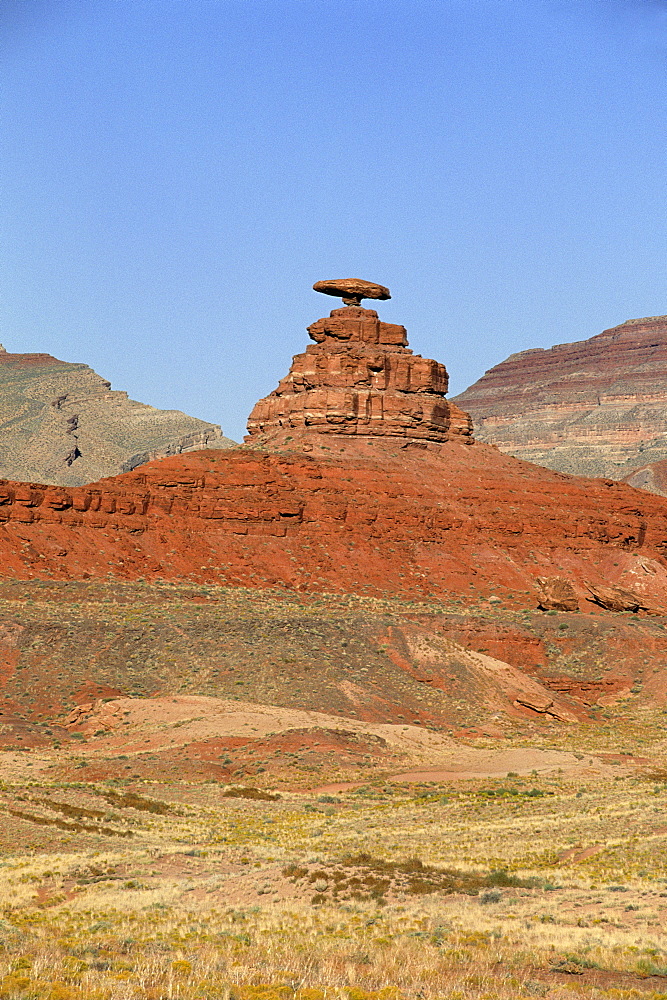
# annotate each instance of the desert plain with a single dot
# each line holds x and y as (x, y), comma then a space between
(196, 827)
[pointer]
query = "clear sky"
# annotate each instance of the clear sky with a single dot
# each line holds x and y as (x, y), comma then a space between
(175, 175)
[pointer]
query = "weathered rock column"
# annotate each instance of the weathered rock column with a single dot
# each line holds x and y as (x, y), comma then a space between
(359, 378)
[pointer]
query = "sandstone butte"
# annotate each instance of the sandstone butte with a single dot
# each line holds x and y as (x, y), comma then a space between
(597, 407)
(62, 424)
(357, 476)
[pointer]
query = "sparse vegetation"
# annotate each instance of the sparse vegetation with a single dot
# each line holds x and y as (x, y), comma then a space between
(297, 866)
(261, 899)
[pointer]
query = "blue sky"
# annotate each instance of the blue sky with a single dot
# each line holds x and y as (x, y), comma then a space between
(176, 174)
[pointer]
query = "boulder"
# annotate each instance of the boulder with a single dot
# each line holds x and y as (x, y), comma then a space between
(352, 290)
(556, 594)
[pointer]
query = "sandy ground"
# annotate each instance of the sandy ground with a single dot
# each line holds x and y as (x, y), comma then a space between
(135, 727)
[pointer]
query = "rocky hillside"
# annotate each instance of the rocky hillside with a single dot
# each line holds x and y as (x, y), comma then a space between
(476, 667)
(597, 407)
(359, 477)
(61, 424)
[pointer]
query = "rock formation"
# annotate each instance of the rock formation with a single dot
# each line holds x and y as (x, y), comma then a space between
(356, 479)
(61, 424)
(374, 518)
(597, 407)
(359, 378)
(352, 290)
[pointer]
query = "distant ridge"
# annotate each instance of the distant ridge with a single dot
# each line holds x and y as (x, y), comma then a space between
(61, 424)
(596, 407)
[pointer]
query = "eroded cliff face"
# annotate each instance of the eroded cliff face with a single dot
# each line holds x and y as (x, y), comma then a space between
(374, 517)
(359, 379)
(597, 407)
(61, 424)
(359, 477)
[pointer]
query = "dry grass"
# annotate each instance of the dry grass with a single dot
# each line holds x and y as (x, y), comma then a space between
(471, 890)
(170, 886)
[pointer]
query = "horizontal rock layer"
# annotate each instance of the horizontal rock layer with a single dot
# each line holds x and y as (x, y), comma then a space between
(597, 407)
(428, 522)
(359, 378)
(61, 423)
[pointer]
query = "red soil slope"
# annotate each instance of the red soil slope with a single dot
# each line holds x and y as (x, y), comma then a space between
(354, 515)
(651, 477)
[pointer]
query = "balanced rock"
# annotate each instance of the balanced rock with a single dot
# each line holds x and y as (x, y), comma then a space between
(597, 407)
(359, 378)
(352, 290)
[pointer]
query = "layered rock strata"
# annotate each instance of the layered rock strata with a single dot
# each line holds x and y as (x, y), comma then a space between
(376, 519)
(354, 481)
(359, 378)
(651, 477)
(597, 407)
(61, 423)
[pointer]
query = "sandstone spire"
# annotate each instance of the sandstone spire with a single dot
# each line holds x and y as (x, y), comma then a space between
(359, 378)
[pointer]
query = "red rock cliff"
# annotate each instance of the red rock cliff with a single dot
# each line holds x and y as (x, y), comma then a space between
(376, 519)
